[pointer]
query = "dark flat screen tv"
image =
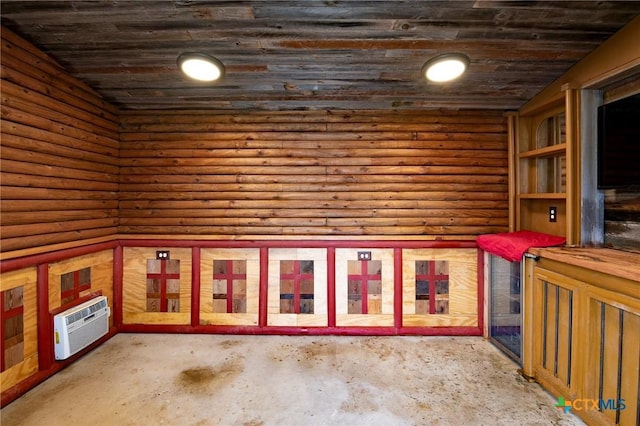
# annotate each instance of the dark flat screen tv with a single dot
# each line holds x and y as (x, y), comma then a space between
(619, 144)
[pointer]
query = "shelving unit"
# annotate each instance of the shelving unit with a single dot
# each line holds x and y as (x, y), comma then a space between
(541, 161)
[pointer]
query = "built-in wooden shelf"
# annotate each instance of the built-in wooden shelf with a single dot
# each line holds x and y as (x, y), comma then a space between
(547, 151)
(543, 196)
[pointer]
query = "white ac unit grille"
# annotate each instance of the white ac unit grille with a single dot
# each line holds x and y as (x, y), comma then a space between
(78, 327)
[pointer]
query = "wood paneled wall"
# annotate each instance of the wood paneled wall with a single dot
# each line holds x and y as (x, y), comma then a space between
(59, 157)
(313, 173)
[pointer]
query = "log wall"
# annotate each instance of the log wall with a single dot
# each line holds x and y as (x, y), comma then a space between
(59, 157)
(313, 173)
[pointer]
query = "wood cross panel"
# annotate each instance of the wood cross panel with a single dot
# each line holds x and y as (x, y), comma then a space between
(100, 277)
(208, 277)
(285, 279)
(163, 285)
(372, 303)
(11, 327)
(462, 288)
(72, 284)
(27, 364)
(134, 287)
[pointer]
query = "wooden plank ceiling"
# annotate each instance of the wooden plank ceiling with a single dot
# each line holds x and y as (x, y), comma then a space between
(317, 55)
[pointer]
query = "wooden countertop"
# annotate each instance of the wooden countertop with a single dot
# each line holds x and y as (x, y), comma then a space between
(613, 262)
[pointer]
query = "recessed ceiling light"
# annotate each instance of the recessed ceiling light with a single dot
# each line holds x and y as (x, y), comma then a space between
(200, 66)
(445, 67)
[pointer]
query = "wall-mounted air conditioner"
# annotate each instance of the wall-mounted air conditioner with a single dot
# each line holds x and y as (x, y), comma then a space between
(78, 327)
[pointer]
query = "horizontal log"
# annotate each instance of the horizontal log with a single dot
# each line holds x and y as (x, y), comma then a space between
(53, 216)
(381, 188)
(176, 194)
(317, 170)
(317, 127)
(48, 194)
(35, 116)
(313, 221)
(81, 179)
(36, 228)
(326, 204)
(254, 137)
(130, 211)
(316, 196)
(407, 155)
(19, 243)
(51, 109)
(36, 206)
(314, 161)
(51, 74)
(59, 143)
(17, 76)
(47, 160)
(337, 116)
(337, 180)
(303, 231)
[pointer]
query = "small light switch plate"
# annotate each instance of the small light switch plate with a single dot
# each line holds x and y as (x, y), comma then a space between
(553, 214)
(364, 255)
(162, 254)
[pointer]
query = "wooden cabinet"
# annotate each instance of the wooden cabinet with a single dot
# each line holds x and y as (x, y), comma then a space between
(582, 330)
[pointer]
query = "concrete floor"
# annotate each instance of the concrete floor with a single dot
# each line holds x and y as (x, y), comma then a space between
(151, 379)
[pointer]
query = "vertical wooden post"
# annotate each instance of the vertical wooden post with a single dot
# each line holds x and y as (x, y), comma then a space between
(480, 275)
(397, 285)
(331, 285)
(572, 108)
(117, 285)
(45, 325)
(195, 286)
(264, 287)
(528, 303)
(512, 153)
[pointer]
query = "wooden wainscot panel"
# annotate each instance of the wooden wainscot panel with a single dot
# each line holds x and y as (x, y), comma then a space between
(612, 355)
(100, 279)
(139, 271)
(556, 306)
(237, 270)
(355, 306)
(22, 359)
(297, 292)
(455, 306)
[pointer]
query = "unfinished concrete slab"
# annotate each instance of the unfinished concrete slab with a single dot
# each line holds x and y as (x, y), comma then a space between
(150, 379)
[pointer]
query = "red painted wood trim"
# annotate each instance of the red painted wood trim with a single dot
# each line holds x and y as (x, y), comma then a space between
(118, 267)
(45, 324)
(55, 256)
(480, 263)
(397, 287)
(331, 286)
(264, 287)
(195, 286)
(2, 328)
(300, 243)
(297, 331)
